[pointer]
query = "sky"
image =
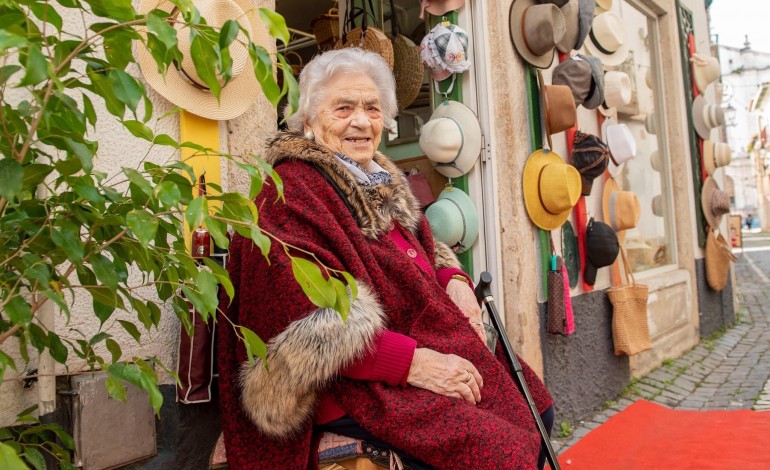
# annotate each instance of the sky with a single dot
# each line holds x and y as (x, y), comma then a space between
(734, 19)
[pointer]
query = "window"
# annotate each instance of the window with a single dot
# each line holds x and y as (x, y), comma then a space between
(652, 243)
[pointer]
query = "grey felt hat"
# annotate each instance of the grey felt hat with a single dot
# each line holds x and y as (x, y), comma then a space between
(584, 76)
(585, 19)
(596, 97)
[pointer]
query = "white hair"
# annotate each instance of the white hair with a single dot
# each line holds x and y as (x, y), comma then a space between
(317, 73)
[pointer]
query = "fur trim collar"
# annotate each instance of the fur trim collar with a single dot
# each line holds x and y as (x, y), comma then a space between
(375, 208)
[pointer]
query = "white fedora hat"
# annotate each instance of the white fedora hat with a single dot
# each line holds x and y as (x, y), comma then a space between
(621, 142)
(182, 85)
(617, 89)
(607, 39)
(716, 155)
(706, 116)
(705, 70)
(453, 142)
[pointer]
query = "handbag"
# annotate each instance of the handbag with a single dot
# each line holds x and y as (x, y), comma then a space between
(630, 331)
(195, 366)
(556, 308)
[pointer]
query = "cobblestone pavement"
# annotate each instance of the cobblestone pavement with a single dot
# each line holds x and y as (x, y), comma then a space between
(725, 372)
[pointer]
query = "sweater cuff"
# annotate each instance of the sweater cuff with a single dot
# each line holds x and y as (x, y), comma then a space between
(444, 275)
(388, 361)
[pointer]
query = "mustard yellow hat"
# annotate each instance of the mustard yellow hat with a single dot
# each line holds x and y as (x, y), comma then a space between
(551, 189)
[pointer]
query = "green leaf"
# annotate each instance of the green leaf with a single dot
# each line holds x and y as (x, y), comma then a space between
(262, 241)
(114, 9)
(88, 110)
(139, 129)
(143, 224)
(115, 388)
(254, 345)
(9, 460)
(276, 24)
(46, 12)
(104, 270)
(56, 348)
(317, 289)
(222, 276)
(195, 212)
(68, 239)
(18, 310)
(5, 362)
(7, 71)
(263, 69)
(228, 33)
(85, 153)
(162, 30)
(12, 177)
(137, 178)
(131, 329)
(342, 305)
(207, 288)
(9, 40)
(205, 60)
(37, 337)
(351, 282)
(36, 66)
(34, 457)
(197, 302)
(126, 89)
(165, 139)
(168, 193)
(114, 348)
(155, 312)
(34, 174)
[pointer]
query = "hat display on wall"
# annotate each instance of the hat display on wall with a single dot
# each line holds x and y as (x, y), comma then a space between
(453, 219)
(535, 31)
(602, 247)
(621, 143)
(569, 252)
(589, 157)
(705, 70)
(451, 139)
(444, 51)
(183, 86)
(439, 7)
(714, 201)
(620, 209)
(551, 189)
(570, 10)
(716, 155)
(617, 89)
(584, 77)
(558, 108)
(706, 116)
(607, 39)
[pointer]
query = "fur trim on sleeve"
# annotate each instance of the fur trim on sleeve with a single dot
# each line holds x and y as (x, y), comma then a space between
(304, 357)
(444, 256)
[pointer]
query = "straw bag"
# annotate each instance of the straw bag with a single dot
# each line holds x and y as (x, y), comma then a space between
(630, 331)
(326, 29)
(408, 69)
(718, 258)
(365, 37)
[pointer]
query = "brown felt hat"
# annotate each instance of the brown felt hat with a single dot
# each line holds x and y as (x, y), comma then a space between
(620, 209)
(558, 108)
(536, 30)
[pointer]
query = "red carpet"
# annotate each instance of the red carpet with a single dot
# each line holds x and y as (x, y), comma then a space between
(650, 436)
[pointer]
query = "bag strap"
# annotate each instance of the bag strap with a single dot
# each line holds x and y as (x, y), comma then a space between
(629, 275)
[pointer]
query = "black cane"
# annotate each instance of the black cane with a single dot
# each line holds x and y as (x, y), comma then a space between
(484, 296)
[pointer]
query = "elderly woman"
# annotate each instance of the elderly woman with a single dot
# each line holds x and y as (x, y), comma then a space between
(409, 369)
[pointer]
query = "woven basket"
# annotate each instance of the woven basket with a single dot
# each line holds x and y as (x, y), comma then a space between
(326, 29)
(630, 331)
(718, 258)
(373, 40)
(408, 71)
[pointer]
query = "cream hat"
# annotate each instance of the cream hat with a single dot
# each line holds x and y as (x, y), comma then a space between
(536, 30)
(716, 155)
(607, 39)
(182, 85)
(551, 189)
(617, 89)
(452, 139)
(603, 5)
(621, 142)
(453, 219)
(705, 70)
(706, 116)
(620, 209)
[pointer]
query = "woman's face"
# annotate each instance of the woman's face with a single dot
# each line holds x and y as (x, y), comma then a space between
(349, 118)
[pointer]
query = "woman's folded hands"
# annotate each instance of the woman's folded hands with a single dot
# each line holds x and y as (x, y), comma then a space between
(445, 374)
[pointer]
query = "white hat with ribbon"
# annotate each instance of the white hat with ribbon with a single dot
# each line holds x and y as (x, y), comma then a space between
(451, 139)
(607, 39)
(621, 142)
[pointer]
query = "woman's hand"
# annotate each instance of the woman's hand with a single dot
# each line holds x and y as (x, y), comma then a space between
(462, 295)
(445, 374)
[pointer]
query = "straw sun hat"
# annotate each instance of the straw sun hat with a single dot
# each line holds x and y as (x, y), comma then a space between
(620, 209)
(551, 189)
(706, 116)
(705, 70)
(182, 85)
(716, 155)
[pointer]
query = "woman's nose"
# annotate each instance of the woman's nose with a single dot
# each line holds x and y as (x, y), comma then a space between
(360, 118)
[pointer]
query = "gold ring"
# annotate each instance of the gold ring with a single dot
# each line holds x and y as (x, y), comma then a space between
(470, 377)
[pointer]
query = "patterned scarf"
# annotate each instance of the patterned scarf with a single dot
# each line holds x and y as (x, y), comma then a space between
(376, 176)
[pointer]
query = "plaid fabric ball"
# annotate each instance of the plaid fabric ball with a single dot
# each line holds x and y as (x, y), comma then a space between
(444, 50)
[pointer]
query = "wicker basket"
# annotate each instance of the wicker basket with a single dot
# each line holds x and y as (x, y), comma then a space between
(408, 71)
(372, 40)
(326, 29)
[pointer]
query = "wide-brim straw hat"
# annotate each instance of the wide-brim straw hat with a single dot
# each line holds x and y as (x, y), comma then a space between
(621, 142)
(408, 70)
(453, 219)
(706, 116)
(714, 201)
(705, 70)
(571, 11)
(620, 209)
(716, 155)
(372, 39)
(182, 86)
(551, 189)
(451, 139)
(717, 260)
(607, 39)
(535, 31)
